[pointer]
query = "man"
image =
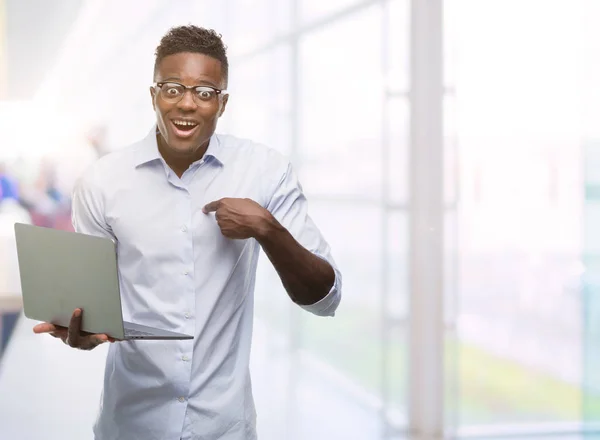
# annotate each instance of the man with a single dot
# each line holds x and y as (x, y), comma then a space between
(190, 210)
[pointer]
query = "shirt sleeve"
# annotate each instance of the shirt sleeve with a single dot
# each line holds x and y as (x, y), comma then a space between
(289, 206)
(87, 211)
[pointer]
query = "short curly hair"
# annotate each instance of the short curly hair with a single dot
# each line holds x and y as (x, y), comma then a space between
(193, 39)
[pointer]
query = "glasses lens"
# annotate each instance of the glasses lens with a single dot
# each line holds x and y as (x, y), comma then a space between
(205, 94)
(172, 92)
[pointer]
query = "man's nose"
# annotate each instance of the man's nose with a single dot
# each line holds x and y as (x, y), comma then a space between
(187, 101)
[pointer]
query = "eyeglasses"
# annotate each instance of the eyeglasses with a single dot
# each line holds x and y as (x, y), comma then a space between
(173, 92)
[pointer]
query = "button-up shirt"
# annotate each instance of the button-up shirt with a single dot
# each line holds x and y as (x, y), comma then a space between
(178, 272)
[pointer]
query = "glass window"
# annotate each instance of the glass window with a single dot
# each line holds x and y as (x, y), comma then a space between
(394, 321)
(341, 107)
(591, 159)
(451, 153)
(519, 327)
(396, 159)
(397, 16)
(252, 23)
(354, 233)
(312, 10)
(259, 107)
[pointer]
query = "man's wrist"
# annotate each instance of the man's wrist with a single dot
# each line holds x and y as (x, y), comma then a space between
(266, 228)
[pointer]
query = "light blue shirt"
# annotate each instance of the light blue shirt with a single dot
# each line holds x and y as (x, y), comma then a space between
(178, 272)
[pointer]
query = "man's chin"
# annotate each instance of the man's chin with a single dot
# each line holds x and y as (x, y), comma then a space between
(183, 148)
(180, 148)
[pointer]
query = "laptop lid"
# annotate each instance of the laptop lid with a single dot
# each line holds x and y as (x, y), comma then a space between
(61, 271)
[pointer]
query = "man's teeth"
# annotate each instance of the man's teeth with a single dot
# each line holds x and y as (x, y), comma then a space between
(185, 123)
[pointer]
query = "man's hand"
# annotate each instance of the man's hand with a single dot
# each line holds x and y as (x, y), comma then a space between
(73, 336)
(240, 218)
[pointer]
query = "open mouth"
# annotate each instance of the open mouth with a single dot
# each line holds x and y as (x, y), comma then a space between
(184, 129)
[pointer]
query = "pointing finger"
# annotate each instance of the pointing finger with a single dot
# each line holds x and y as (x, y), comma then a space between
(211, 207)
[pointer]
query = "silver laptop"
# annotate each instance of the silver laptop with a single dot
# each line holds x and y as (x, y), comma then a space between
(62, 271)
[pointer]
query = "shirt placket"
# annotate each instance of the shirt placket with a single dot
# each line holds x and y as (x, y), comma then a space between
(186, 275)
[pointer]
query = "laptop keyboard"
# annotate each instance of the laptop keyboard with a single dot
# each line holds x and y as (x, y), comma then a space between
(131, 332)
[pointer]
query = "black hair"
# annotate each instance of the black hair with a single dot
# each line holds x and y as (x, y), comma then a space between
(192, 39)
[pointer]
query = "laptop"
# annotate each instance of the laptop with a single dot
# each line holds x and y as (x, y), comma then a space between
(61, 271)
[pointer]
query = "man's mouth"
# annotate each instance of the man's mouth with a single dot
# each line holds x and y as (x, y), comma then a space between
(184, 128)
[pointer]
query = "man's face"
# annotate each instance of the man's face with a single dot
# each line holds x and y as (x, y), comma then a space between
(188, 124)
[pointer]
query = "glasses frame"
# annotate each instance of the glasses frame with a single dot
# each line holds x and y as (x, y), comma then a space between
(158, 87)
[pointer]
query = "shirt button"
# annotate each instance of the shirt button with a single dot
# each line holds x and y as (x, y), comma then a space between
(181, 399)
(184, 228)
(185, 358)
(187, 316)
(186, 273)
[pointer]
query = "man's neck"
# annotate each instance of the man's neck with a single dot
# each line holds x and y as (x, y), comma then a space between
(179, 164)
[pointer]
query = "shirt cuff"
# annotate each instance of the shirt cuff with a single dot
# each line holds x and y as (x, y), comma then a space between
(327, 305)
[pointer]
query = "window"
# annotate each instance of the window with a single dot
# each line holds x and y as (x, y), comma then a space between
(341, 105)
(259, 107)
(519, 213)
(313, 10)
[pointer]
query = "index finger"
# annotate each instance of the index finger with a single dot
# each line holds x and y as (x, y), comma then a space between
(211, 207)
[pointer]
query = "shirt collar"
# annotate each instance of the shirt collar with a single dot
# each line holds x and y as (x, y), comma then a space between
(148, 149)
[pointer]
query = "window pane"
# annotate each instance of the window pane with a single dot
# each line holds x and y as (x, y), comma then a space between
(311, 10)
(591, 158)
(397, 16)
(260, 107)
(451, 153)
(518, 343)
(397, 156)
(341, 107)
(357, 356)
(252, 23)
(591, 312)
(591, 70)
(395, 320)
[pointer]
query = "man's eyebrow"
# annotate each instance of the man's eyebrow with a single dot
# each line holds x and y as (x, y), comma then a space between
(196, 82)
(206, 81)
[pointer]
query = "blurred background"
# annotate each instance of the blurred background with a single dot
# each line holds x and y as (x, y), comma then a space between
(479, 116)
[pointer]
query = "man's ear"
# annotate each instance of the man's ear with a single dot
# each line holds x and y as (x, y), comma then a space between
(153, 96)
(223, 105)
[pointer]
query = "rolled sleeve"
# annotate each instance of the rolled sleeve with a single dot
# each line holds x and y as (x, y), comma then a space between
(290, 207)
(328, 305)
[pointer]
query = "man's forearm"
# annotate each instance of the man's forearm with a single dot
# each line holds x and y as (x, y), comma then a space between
(306, 277)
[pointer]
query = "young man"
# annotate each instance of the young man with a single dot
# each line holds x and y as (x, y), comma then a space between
(190, 210)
